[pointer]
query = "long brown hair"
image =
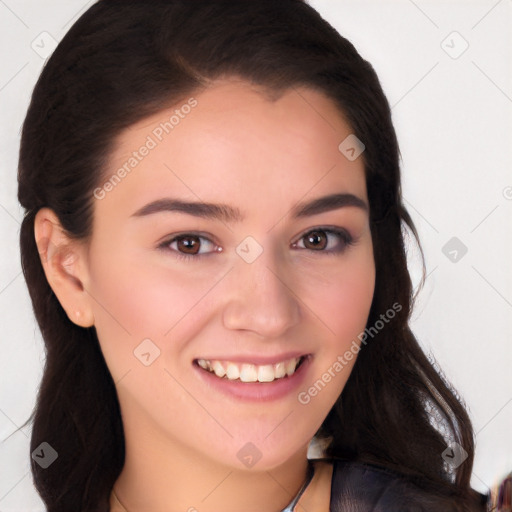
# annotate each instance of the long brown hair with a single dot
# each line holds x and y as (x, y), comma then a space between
(124, 60)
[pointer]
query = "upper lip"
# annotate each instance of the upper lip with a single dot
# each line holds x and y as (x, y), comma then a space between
(256, 359)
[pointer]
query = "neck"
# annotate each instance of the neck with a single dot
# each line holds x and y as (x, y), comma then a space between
(160, 472)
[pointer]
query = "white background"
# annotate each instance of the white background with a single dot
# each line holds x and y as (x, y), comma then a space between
(453, 117)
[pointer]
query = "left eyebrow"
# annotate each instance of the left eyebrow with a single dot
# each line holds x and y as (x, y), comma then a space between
(230, 214)
(327, 203)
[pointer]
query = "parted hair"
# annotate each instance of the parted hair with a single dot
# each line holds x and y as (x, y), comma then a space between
(124, 60)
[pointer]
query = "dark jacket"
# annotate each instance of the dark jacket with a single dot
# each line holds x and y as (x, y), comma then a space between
(364, 487)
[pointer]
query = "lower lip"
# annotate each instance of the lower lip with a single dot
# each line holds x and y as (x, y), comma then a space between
(256, 391)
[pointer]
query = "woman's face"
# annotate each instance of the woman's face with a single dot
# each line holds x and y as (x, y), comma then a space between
(258, 282)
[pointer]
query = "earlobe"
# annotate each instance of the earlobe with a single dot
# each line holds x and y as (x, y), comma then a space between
(65, 266)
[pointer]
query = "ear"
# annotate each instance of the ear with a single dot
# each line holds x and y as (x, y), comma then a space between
(64, 261)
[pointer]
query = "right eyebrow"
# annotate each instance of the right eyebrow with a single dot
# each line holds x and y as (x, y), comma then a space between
(205, 210)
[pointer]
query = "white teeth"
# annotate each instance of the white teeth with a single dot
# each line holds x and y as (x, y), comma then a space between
(266, 373)
(290, 367)
(279, 370)
(232, 371)
(218, 369)
(249, 372)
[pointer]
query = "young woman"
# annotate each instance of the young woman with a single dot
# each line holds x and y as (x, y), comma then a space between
(214, 250)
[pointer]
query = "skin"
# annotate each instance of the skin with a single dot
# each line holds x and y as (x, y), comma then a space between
(239, 148)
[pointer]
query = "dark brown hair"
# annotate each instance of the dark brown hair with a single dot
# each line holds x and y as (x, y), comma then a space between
(124, 60)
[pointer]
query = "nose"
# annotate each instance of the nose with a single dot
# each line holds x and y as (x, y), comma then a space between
(261, 297)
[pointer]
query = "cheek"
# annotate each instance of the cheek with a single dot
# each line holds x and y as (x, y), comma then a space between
(351, 307)
(134, 301)
(341, 297)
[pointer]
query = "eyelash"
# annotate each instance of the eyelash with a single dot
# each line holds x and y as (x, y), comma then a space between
(346, 239)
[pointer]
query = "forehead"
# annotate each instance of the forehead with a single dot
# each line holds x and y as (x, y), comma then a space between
(232, 141)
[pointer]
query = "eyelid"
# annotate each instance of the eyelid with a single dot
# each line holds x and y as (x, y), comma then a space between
(347, 238)
(164, 245)
(344, 234)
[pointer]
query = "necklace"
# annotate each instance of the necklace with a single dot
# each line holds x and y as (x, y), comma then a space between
(289, 508)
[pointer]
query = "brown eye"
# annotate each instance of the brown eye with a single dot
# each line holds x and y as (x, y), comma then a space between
(323, 241)
(316, 240)
(188, 244)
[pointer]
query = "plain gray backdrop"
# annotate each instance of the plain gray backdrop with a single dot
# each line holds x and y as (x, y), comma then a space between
(445, 68)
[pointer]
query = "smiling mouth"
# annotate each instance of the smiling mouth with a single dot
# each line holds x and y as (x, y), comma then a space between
(246, 372)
